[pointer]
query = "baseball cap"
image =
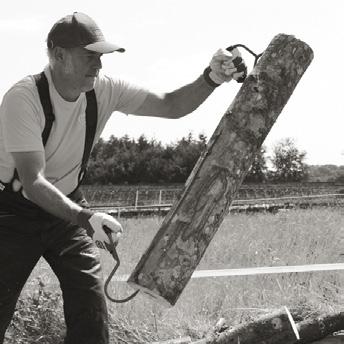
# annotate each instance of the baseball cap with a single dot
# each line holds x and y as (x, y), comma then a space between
(80, 30)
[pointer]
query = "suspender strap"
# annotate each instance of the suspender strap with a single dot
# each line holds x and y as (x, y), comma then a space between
(91, 121)
(91, 127)
(44, 96)
(11, 200)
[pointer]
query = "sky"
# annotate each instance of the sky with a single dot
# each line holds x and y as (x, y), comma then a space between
(170, 42)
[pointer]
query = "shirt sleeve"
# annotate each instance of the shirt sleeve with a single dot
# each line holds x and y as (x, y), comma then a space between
(131, 97)
(20, 123)
(120, 95)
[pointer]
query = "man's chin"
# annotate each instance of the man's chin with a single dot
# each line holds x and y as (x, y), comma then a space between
(89, 85)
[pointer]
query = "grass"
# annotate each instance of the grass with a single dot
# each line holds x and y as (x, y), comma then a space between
(286, 238)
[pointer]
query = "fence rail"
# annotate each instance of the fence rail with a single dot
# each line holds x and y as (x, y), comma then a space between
(242, 205)
(129, 196)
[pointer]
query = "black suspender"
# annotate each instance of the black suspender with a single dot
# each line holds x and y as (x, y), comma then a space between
(91, 126)
(91, 121)
(44, 96)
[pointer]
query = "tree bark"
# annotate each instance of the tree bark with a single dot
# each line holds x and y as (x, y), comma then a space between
(330, 340)
(167, 265)
(320, 327)
(275, 328)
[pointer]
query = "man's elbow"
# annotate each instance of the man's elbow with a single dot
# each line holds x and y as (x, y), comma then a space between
(175, 114)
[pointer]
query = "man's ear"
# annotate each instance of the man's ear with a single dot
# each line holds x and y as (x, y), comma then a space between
(59, 54)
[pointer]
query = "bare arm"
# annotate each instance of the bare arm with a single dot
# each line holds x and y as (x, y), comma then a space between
(223, 67)
(178, 103)
(30, 167)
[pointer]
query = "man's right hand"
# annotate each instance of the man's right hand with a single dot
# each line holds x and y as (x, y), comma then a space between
(101, 227)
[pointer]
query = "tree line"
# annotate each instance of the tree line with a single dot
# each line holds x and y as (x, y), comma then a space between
(147, 161)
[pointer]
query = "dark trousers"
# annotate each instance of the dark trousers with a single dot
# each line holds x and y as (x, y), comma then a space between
(23, 242)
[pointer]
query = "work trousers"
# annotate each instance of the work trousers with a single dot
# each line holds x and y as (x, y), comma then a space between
(74, 259)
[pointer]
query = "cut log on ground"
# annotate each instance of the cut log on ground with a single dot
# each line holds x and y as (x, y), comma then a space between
(167, 265)
(275, 328)
(317, 328)
(330, 340)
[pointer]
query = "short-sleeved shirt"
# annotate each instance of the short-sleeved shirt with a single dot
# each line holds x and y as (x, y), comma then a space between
(22, 121)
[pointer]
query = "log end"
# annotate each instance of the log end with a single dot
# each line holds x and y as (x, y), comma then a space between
(293, 38)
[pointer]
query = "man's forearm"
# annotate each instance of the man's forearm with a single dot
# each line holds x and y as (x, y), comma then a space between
(52, 200)
(177, 103)
(187, 98)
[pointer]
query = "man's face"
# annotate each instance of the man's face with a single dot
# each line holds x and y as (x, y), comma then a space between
(81, 67)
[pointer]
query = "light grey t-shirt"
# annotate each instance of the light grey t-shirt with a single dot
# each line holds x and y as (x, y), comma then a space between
(22, 121)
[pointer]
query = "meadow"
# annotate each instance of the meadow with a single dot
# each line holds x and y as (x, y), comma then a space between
(293, 237)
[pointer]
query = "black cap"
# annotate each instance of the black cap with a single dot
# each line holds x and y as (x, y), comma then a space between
(80, 30)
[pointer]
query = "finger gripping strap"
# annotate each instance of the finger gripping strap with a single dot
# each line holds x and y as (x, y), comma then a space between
(237, 63)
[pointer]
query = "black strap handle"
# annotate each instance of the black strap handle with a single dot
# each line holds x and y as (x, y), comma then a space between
(237, 60)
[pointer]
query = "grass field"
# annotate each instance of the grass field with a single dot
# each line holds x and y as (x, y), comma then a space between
(287, 238)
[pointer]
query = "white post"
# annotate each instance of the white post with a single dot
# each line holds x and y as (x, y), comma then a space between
(160, 193)
(136, 198)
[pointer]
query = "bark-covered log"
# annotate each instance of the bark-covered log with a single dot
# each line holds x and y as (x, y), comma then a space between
(320, 327)
(167, 265)
(275, 328)
(330, 340)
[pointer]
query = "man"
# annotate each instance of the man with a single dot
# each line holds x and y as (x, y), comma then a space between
(42, 160)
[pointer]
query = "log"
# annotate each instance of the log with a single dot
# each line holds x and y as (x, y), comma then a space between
(168, 263)
(275, 328)
(318, 328)
(330, 340)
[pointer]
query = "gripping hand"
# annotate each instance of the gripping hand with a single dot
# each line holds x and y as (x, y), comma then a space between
(101, 227)
(224, 66)
(241, 70)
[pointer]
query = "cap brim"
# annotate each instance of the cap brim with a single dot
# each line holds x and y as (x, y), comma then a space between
(104, 47)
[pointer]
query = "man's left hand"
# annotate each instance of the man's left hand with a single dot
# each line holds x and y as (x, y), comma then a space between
(225, 66)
